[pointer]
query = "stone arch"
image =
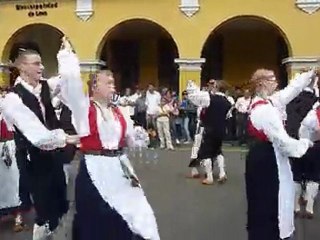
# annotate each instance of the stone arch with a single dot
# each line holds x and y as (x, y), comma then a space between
(240, 44)
(140, 51)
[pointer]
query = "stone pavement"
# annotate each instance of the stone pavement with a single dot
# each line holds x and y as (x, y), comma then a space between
(187, 210)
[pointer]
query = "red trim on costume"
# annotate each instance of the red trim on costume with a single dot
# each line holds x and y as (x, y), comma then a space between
(202, 113)
(5, 134)
(318, 114)
(252, 131)
(93, 142)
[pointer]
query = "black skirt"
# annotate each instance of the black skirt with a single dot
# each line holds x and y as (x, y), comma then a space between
(211, 145)
(262, 188)
(307, 168)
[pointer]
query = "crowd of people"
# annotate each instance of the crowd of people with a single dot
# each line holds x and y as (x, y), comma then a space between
(45, 122)
(171, 120)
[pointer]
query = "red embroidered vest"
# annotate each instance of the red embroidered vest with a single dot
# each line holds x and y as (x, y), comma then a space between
(5, 134)
(92, 142)
(252, 131)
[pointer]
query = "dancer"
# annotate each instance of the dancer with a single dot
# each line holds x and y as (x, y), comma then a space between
(28, 108)
(310, 128)
(304, 171)
(215, 113)
(196, 169)
(110, 202)
(269, 181)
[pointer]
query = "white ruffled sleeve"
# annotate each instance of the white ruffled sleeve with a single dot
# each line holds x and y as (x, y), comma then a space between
(55, 86)
(267, 119)
(17, 114)
(72, 91)
(281, 98)
(310, 126)
(136, 136)
(196, 96)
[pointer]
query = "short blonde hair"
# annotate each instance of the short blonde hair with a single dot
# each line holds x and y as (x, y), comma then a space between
(93, 78)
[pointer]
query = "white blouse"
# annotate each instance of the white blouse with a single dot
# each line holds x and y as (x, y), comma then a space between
(19, 115)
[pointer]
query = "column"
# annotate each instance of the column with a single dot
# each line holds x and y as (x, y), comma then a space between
(190, 69)
(89, 67)
(296, 64)
(4, 75)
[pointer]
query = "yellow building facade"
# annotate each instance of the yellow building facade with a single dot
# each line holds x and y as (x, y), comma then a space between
(166, 42)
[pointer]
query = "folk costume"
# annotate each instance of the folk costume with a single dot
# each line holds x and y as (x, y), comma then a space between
(37, 132)
(310, 128)
(110, 203)
(269, 180)
(215, 108)
(304, 170)
(9, 173)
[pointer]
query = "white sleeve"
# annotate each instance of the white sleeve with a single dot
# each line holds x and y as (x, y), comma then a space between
(231, 100)
(135, 136)
(55, 85)
(17, 114)
(197, 97)
(281, 98)
(72, 91)
(123, 101)
(267, 119)
(310, 126)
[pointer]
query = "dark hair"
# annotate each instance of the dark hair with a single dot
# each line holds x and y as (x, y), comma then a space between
(17, 48)
(23, 53)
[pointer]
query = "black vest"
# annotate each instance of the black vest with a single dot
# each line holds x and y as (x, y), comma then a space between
(66, 120)
(216, 113)
(297, 110)
(30, 101)
(66, 124)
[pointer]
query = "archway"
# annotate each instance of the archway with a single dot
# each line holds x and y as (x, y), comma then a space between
(42, 38)
(140, 52)
(241, 45)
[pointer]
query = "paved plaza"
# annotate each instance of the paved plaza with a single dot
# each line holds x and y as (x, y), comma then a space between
(187, 210)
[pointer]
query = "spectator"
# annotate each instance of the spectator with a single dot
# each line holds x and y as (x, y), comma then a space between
(163, 124)
(188, 112)
(242, 106)
(140, 110)
(153, 102)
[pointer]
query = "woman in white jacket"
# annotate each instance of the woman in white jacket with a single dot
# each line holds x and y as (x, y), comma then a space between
(269, 181)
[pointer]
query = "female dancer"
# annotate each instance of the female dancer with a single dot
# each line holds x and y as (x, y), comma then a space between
(110, 202)
(269, 181)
